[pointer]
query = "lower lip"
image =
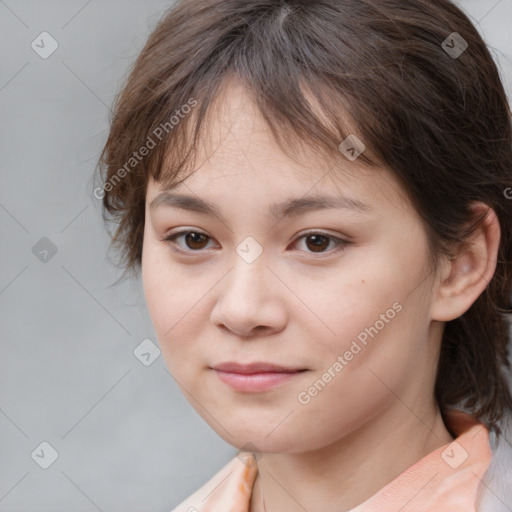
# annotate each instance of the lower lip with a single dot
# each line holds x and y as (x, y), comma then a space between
(255, 382)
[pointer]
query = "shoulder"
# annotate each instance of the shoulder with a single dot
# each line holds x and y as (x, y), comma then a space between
(497, 481)
(230, 485)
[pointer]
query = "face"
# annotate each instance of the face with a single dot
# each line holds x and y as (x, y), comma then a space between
(336, 295)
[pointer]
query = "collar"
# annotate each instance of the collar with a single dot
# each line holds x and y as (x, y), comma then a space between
(448, 479)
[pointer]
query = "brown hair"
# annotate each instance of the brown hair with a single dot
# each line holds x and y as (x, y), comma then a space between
(440, 121)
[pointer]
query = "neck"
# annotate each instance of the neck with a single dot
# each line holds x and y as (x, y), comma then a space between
(345, 474)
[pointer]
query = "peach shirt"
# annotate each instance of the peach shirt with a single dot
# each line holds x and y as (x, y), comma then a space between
(446, 480)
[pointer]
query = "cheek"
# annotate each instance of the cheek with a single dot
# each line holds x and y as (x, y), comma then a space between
(159, 289)
(356, 380)
(370, 318)
(153, 284)
(165, 286)
(176, 302)
(352, 301)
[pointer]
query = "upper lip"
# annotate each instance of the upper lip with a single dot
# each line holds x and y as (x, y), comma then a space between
(256, 367)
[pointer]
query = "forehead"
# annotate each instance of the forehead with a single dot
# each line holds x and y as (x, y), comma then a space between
(238, 152)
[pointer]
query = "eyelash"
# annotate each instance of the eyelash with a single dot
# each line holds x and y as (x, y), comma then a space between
(170, 240)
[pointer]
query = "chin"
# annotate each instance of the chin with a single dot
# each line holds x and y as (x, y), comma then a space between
(259, 440)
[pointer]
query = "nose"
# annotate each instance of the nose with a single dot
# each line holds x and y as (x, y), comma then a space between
(250, 300)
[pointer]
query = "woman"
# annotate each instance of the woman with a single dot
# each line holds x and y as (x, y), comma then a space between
(317, 197)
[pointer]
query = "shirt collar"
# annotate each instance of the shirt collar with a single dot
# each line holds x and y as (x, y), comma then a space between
(449, 478)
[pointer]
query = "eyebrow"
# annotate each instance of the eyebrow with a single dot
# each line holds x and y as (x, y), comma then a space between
(290, 207)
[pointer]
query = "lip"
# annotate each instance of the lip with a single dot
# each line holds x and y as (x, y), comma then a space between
(255, 377)
(256, 367)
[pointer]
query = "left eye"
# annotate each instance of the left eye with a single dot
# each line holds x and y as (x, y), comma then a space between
(195, 241)
(320, 241)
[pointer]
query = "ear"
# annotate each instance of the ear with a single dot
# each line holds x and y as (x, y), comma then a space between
(463, 278)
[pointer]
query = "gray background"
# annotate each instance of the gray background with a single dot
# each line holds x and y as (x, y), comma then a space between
(127, 440)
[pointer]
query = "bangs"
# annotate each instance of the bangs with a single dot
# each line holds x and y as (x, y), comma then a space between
(314, 129)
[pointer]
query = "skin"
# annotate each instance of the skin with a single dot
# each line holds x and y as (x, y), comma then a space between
(297, 307)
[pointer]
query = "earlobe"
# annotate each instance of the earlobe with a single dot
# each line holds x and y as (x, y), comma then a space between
(468, 273)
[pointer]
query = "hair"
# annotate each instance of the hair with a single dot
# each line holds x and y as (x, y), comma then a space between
(440, 122)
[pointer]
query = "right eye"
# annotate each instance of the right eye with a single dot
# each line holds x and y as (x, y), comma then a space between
(194, 241)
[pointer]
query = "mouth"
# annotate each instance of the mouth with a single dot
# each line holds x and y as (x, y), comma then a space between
(255, 377)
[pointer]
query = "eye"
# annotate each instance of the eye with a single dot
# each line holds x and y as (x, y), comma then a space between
(195, 241)
(318, 242)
